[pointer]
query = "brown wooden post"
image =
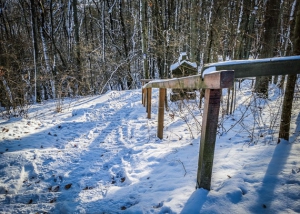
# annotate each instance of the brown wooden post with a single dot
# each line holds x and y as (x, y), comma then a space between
(149, 96)
(145, 98)
(228, 100)
(208, 137)
(143, 93)
(213, 82)
(232, 98)
(161, 109)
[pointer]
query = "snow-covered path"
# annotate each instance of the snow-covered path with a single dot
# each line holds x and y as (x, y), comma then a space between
(101, 155)
(107, 151)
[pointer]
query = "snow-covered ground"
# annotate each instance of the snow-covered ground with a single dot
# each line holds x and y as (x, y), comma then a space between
(101, 155)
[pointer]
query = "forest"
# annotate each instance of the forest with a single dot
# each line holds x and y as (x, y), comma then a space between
(74, 133)
(65, 48)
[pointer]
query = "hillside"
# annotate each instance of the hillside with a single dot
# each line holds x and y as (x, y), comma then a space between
(101, 155)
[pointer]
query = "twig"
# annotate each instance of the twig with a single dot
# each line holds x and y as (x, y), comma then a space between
(182, 166)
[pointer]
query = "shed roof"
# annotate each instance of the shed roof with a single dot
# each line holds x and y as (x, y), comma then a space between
(177, 64)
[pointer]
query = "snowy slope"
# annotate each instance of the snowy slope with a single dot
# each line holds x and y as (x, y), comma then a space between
(101, 155)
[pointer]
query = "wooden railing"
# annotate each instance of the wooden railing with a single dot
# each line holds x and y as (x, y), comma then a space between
(213, 84)
(146, 97)
(215, 77)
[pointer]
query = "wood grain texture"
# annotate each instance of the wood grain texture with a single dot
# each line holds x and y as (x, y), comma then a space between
(208, 137)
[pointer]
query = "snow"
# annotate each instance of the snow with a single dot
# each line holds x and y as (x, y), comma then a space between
(182, 55)
(208, 71)
(181, 61)
(101, 155)
(177, 64)
(211, 67)
(235, 62)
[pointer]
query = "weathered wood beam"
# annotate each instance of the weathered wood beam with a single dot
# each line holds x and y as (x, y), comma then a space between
(145, 99)
(219, 79)
(146, 80)
(190, 82)
(208, 137)
(258, 67)
(144, 92)
(149, 97)
(161, 111)
(143, 96)
(213, 80)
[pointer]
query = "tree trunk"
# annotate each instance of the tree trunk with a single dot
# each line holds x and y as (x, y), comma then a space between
(270, 38)
(129, 78)
(77, 41)
(290, 86)
(103, 31)
(158, 29)
(245, 38)
(49, 82)
(144, 37)
(287, 107)
(35, 46)
(193, 32)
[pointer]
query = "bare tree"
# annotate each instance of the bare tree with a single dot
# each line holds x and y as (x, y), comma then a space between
(290, 85)
(270, 38)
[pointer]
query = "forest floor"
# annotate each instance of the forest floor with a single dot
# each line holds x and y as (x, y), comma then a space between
(101, 155)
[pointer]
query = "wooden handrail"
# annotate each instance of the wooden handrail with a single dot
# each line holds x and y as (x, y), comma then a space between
(258, 67)
(213, 80)
(215, 77)
(213, 83)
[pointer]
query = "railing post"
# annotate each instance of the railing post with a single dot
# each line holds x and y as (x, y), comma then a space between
(161, 111)
(232, 98)
(228, 100)
(208, 137)
(213, 82)
(145, 98)
(149, 95)
(143, 93)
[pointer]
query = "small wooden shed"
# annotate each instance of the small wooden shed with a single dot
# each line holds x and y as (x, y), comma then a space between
(183, 68)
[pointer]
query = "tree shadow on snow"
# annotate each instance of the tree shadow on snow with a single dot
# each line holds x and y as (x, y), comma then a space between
(266, 200)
